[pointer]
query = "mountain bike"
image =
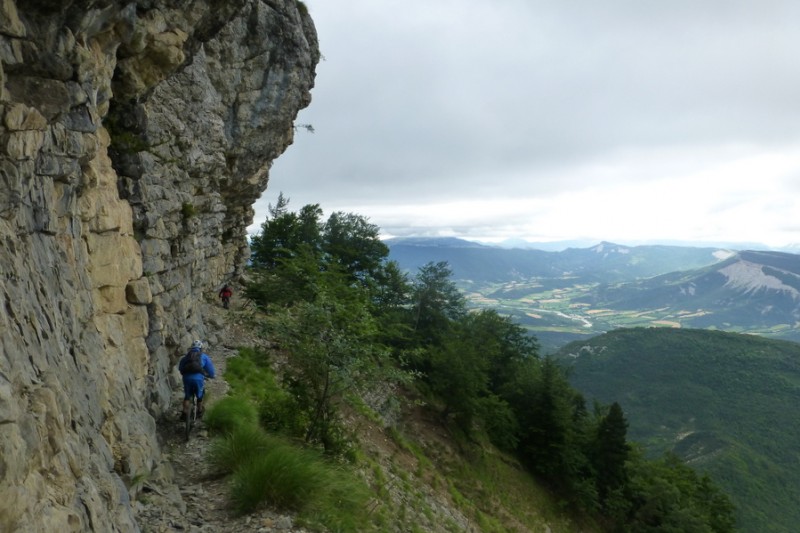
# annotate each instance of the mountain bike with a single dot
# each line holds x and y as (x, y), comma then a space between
(191, 418)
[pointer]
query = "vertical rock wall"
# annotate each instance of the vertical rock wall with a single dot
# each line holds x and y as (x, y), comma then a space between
(134, 139)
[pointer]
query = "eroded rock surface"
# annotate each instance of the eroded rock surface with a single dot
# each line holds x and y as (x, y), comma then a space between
(134, 139)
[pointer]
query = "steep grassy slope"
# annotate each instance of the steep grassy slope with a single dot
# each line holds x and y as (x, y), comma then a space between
(423, 476)
(725, 402)
(420, 477)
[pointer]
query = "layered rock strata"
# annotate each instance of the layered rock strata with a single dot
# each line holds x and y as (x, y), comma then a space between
(134, 139)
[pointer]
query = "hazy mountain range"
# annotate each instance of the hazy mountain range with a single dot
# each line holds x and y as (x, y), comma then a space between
(577, 292)
(557, 246)
(602, 262)
(747, 289)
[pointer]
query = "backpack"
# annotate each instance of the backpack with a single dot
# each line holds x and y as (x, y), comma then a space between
(194, 362)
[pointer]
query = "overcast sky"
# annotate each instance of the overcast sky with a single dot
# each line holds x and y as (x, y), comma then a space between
(622, 120)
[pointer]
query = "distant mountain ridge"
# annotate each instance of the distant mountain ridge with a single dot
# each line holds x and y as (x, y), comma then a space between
(749, 288)
(603, 262)
(566, 295)
(557, 246)
(445, 242)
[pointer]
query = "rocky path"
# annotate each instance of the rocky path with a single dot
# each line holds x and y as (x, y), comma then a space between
(198, 501)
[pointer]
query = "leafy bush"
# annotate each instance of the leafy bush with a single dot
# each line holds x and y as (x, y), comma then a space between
(280, 412)
(500, 423)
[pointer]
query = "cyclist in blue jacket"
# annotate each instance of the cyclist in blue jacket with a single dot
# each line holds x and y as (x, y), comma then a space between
(195, 367)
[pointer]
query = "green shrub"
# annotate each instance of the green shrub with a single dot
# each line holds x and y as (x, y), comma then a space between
(229, 414)
(188, 210)
(279, 411)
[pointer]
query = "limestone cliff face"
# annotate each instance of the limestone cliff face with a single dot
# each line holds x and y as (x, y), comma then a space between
(134, 138)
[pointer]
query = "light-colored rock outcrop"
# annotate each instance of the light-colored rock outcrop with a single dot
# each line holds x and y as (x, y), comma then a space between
(134, 138)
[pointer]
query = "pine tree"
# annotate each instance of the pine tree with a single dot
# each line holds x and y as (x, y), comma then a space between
(611, 450)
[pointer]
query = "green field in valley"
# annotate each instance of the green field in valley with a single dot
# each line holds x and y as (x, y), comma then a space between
(556, 314)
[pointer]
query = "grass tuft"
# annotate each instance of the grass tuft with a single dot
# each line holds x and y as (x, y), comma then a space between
(283, 476)
(230, 414)
(342, 503)
(237, 448)
(266, 469)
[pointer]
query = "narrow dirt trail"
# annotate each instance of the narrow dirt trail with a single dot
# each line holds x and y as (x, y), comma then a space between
(198, 501)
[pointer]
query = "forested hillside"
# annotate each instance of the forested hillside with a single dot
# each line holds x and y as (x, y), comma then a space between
(726, 403)
(350, 324)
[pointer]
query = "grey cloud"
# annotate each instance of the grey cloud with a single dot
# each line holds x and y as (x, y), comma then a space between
(426, 100)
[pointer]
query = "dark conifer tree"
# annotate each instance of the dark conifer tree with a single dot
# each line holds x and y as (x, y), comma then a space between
(610, 452)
